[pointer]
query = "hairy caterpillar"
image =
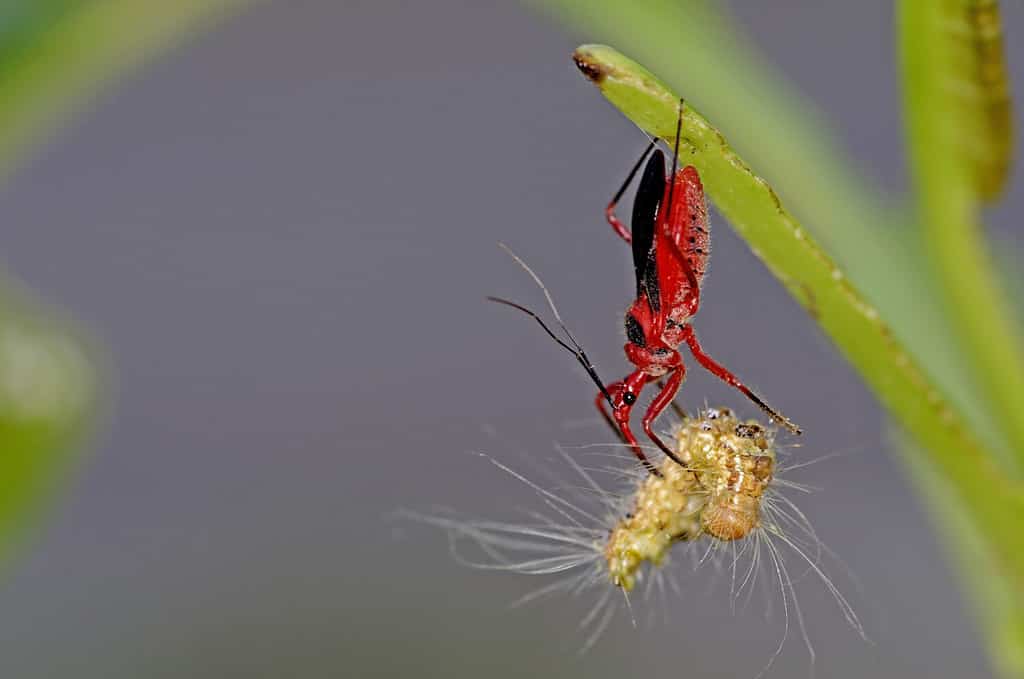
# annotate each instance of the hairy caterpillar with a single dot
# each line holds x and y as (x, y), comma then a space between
(729, 466)
(727, 496)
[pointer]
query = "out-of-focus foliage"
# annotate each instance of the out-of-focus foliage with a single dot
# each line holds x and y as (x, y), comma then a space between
(54, 56)
(924, 270)
(960, 133)
(57, 54)
(47, 386)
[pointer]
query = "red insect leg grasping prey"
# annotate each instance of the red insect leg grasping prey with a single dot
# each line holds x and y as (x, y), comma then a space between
(671, 243)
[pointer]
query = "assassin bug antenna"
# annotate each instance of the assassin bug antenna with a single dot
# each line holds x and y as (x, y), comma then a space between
(576, 349)
(675, 152)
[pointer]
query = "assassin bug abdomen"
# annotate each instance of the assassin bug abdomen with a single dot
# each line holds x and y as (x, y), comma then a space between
(668, 278)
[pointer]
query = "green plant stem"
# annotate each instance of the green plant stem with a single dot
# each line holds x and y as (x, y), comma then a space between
(937, 59)
(757, 214)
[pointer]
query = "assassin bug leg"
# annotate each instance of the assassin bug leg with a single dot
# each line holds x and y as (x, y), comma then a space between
(723, 374)
(609, 211)
(623, 432)
(599, 402)
(623, 398)
(666, 396)
(673, 404)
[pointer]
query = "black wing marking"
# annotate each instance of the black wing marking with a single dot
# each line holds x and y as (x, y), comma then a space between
(645, 215)
(634, 331)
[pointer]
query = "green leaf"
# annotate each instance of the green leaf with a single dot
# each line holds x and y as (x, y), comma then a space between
(47, 393)
(959, 132)
(959, 126)
(757, 214)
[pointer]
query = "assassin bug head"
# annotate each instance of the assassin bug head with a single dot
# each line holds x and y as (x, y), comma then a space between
(573, 347)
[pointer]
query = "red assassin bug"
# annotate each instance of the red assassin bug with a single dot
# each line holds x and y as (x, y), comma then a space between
(670, 243)
(670, 240)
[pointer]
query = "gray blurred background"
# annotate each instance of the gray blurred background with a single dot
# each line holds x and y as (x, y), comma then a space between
(284, 231)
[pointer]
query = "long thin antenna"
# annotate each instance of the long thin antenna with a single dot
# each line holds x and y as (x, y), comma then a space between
(547, 295)
(576, 349)
(632, 173)
(675, 157)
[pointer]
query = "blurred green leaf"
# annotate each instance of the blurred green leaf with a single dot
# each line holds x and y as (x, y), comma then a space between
(958, 135)
(959, 128)
(47, 394)
(55, 55)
